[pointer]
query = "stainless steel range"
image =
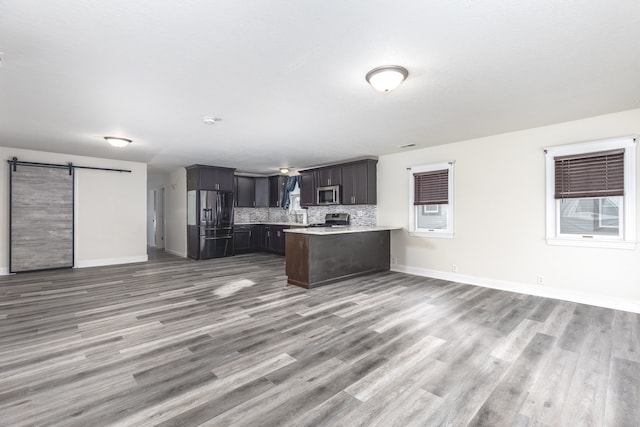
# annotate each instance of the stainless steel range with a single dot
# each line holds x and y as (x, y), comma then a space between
(334, 220)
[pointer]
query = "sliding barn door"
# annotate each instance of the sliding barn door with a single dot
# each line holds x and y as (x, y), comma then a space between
(41, 205)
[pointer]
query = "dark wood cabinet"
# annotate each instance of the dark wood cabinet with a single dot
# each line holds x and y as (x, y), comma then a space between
(307, 189)
(251, 192)
(247, 238)
(245, 191)
(256, 237)
(225, 179)
(328, 176)
(359, 183)
(274, 238)
(276, 190)
(262, 192)
(204, 177)
(278, 242)
(241, 239)
(266, 237)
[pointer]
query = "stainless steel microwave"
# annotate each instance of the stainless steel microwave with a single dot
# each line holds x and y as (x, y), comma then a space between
(328, 195)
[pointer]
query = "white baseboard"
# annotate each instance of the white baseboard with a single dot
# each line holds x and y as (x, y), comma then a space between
(523, 288)
(111, 261)
(176, 253)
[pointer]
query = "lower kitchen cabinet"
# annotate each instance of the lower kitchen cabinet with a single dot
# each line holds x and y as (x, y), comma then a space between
(255, 237)
(241, 239)
(247, 238)
(273, 239)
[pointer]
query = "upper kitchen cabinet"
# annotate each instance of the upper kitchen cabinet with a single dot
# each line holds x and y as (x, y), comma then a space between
(204, 177)
(276, 190)
(359, 183)
(328, 176)
(262, 192)
(245, 191)
(252, 192)
(307, 189)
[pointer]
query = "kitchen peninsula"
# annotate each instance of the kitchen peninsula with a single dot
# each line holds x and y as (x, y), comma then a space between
(319, 256)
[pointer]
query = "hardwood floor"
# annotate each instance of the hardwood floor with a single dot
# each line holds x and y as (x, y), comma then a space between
(225, 342)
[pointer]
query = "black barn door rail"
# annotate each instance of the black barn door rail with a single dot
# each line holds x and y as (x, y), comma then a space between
(14, 162)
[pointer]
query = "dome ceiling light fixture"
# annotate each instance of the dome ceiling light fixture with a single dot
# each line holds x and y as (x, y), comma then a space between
(284, 170)
(117, 141)
(387, 77)
(210, 120)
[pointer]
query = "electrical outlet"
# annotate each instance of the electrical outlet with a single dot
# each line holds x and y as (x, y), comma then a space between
(394, 260)
(454, 268)
(540, 279)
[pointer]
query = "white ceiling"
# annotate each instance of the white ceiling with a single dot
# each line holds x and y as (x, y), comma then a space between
(288, 77)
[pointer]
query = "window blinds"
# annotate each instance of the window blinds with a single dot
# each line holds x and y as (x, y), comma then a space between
(431, 188)
(598, 174)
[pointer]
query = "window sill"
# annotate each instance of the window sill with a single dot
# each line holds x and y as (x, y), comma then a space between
(589, 243)
(431, 234)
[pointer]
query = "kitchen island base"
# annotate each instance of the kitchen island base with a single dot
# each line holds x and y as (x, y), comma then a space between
(314, 260)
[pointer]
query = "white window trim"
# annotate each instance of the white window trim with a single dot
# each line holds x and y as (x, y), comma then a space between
(628, 224)
(442, 234)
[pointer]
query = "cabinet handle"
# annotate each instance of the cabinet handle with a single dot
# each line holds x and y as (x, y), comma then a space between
(329, 181)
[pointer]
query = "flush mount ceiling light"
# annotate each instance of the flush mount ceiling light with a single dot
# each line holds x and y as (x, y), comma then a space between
(284, 170)
(387, 77)
(210, 120)
(117, 141)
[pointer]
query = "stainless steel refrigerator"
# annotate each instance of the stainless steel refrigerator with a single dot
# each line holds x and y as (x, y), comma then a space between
(209, 224)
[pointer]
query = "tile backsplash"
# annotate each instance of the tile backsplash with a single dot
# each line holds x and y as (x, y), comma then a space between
(368, 214)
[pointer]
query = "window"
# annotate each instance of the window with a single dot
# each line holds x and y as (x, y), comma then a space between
(294, 199)
(431, 199)
(591, 194)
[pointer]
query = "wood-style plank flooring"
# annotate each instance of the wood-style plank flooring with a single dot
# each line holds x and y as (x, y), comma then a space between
(225, 342)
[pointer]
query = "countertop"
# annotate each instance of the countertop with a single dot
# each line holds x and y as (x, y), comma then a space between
(323, 231)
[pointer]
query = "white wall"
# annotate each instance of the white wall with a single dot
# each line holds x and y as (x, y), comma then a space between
(500, 217)
(175, 215)
(110, 208)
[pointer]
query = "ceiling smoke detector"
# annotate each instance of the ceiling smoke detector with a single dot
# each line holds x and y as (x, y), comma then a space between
(210, 120)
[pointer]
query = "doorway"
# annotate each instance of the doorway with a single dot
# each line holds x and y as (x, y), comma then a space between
(157, 218)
